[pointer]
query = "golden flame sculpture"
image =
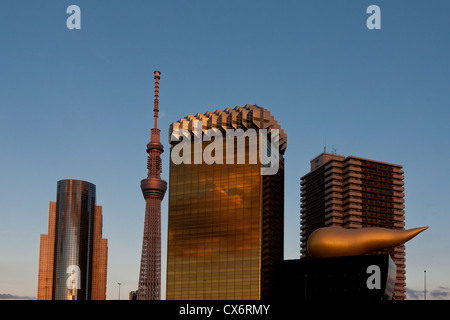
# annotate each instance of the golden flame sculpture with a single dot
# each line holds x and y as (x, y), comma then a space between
(338, 242)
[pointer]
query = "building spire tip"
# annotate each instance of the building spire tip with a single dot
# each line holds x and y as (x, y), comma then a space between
(156, 103)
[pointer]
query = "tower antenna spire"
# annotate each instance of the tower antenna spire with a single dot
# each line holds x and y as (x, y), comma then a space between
(156, 102)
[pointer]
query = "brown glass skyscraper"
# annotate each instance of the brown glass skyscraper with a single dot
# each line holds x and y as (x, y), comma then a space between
(353, 192)
(153, 189)
(73, 255)
(226, 221)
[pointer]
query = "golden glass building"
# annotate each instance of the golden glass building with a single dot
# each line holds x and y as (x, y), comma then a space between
(226, 221)
(73, 255)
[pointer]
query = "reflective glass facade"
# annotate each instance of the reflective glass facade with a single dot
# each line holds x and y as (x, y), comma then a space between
(73, 256)
(225, 230)
(75, 205)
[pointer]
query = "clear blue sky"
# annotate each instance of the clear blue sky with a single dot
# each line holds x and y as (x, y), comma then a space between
(78, 104)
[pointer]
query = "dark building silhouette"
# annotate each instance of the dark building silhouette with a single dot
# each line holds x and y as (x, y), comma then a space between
(73, 255)
(334, 279)
(226, 220)
(352, 192)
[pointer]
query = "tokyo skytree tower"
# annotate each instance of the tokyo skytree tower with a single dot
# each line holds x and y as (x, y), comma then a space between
(153, 189)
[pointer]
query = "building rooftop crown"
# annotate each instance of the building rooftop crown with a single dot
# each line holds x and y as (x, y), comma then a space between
(250, 116)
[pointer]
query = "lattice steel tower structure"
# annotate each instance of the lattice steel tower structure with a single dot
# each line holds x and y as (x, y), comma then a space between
(153, 189)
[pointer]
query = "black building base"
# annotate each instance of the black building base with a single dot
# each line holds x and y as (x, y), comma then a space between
(366, 277)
